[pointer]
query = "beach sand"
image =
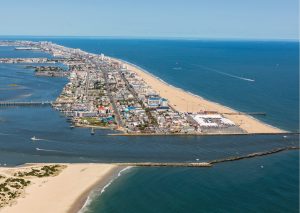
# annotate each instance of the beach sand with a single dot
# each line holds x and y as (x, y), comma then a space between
(66, 192)
(186, 102)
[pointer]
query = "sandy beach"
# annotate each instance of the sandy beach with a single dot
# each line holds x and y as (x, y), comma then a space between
(186, 102)
(65, 192)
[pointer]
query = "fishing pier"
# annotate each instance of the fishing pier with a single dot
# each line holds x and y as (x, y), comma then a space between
(29, 103)
(25, 103)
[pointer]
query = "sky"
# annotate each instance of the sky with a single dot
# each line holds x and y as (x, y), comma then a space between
(215, 19)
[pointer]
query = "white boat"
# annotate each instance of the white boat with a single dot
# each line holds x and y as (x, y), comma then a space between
(35, 139)
(92, 131)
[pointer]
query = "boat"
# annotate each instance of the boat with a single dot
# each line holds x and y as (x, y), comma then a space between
(34, 138)
(72, 126)
(92, 131)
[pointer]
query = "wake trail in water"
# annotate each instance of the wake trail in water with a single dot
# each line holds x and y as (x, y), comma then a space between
(48, 150)
(55, 150)
(35, 139)
(1, 133)
(226, 74)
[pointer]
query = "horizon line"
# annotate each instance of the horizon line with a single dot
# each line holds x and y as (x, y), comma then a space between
(157, 37)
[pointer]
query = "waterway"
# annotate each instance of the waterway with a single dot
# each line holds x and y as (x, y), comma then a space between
(269, 183)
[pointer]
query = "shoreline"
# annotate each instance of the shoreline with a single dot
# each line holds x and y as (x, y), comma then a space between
(204, 134)
(186, 104)
(171, 93)
(44, 193)
(71, 186)
(82, 201)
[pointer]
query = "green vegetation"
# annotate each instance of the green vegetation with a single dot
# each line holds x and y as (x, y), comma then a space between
(45, 171)
(98, 85)
(123, 102)
(11, 189)
(142, 127)
(95, 121)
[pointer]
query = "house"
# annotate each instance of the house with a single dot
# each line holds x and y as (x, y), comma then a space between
(163, 102)
(153, 102)
(156, 101)
(86, 114)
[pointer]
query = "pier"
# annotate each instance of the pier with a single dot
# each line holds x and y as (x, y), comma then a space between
(25, 103)
(30, 103)
(244, 113)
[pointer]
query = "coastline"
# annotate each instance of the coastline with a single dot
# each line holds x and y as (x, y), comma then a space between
(203, 134)
(72, 187)
(183, 101)
(82, 201)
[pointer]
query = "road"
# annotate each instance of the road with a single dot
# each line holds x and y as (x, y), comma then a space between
(111, 98)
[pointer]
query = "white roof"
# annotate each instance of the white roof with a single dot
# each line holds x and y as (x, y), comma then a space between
(201, 119)
(202, 122)
(227, 121)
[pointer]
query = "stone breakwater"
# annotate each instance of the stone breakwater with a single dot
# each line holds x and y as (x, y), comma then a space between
(256, 154)
(209, 163)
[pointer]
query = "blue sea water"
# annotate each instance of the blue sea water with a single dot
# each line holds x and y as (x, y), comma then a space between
(255, 185)
(221, 71)
(217, 70)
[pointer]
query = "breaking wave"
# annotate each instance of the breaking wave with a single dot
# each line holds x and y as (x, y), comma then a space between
(96, 193)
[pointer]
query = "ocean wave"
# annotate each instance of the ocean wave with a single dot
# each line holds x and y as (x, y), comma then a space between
(112, 180)
(97, 193)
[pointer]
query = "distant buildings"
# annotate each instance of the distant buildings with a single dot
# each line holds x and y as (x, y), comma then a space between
(104, 92)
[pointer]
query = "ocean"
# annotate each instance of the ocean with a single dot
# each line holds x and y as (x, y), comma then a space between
(250, 76)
